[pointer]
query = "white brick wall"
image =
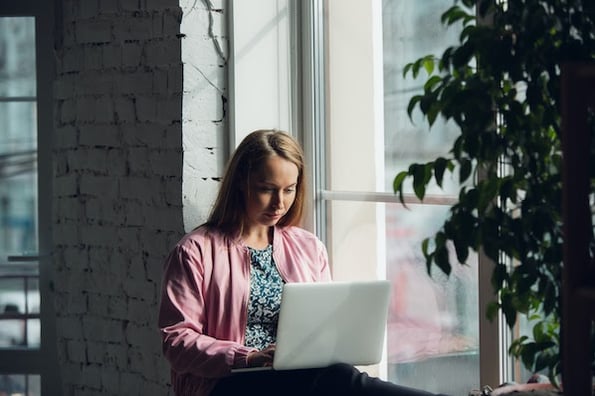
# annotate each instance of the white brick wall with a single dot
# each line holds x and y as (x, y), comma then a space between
(203, 108)
(118, 167)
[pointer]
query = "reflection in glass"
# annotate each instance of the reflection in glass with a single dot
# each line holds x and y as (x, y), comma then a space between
(33, 333)
(17, 57)
(433, 332)
(18, 137)
(433, 327)
(8, 301)
(19, 288)
(33, 300)
(21, 385)
(433, 337)
(13, 333)
(19, 309)
(411, 30)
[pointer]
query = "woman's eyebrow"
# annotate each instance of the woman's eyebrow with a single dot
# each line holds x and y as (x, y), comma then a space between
(264, 182)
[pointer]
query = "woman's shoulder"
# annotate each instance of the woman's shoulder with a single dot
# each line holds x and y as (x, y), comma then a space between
(202, 235)
(302, 255)
(298, 234)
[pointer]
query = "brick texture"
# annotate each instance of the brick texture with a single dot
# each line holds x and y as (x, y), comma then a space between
(122, 145)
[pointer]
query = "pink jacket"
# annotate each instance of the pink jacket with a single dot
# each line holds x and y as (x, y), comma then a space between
(204, 300)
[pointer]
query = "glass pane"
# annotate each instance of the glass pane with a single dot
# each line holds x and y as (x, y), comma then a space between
(33, 300)
(19, 307)
(433, 326)
(411, 30)
(33, 332)
(433, 329)
(20, 385)
(13, 333)
(17, 57)
(18, 178)
(19, 126)
(19, 285)
(12, 290)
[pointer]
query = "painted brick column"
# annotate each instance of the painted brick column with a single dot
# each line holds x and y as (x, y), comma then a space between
(118, 166)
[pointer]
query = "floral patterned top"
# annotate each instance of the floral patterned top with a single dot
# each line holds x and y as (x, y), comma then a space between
(265, 299)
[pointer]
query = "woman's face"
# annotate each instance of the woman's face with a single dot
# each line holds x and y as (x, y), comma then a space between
(272, 191)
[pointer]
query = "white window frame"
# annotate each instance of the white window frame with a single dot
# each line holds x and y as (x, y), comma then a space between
(261, 69)
(495, 365)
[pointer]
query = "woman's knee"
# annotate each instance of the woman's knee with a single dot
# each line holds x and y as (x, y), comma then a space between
(337, 378)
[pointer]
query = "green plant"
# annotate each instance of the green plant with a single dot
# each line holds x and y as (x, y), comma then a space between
(500, 85)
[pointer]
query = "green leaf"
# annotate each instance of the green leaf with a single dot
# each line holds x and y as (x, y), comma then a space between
(420, 179)
(428, 63)
(424, 247)
(507, 189)
(432, 82)
(441, 259)
(545, 359)
(454, 14)
(551, 299)
(412, 103)
(467, 32)
(462, 249)
(439, 168)
(527, 353)
(406, 69)
(427, 255)
(416, 66)
(539, 334)
(398, 185)
(465, 170)
(492, 310)
(432, 114)
(508, 308)
(499, 276)
(487, 193)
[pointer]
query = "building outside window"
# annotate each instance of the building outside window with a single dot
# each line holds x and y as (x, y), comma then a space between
(20, 327)
(27, 354)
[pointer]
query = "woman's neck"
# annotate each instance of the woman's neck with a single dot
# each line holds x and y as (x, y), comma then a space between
(258, 238)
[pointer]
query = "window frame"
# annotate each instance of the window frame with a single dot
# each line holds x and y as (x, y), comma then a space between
(43, 360)
(496, 366)
(307, 120)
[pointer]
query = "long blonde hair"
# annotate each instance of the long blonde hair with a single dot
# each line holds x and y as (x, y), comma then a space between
(229, 211)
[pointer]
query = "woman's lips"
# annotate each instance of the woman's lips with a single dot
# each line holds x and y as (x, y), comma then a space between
(273, 216)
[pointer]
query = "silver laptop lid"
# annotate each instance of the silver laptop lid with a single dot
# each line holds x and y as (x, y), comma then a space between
(331, 322)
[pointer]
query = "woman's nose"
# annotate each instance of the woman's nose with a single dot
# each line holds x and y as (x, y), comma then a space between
(278, 200)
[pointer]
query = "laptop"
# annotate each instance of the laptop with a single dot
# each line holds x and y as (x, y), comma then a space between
(323, 323)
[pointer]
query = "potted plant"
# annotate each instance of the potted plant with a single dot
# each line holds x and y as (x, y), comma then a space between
(501, 86)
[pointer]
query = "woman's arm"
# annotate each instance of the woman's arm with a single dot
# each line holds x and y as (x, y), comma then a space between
(182, 320)
(325, 271)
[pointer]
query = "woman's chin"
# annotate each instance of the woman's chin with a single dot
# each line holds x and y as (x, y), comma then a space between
(271, 220)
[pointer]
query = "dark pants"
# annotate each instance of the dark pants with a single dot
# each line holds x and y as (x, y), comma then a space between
(338, 379)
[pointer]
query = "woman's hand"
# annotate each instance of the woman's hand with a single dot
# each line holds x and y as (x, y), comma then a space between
(261, 358)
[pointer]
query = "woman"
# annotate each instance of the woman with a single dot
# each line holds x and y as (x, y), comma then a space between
(222, 283)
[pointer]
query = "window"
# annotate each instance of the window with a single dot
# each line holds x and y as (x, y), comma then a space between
(25, 170)
(436, 334)
(351, 117)
(19, 291)
(259, 92)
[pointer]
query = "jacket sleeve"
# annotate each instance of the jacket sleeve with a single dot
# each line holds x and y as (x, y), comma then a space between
(325, 272)
(182, 320)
